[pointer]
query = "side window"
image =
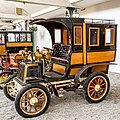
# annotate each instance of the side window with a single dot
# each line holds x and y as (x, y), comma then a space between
(94, 34)
(57, 33)
(2, 38)
(109, 36)
(77, 35)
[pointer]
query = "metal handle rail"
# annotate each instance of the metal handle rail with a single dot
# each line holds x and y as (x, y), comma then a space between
(91, 20)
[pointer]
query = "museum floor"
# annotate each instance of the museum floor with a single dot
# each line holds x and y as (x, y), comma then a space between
(72, 106)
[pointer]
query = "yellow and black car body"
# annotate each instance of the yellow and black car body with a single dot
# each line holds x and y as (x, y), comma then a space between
(81, 56)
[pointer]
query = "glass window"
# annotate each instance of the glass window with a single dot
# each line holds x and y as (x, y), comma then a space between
(109, 36)
(94, 36)
(77, 35)
(29, 37)
(57, 35)
(22, 37)
(11, 37)
(17, 38)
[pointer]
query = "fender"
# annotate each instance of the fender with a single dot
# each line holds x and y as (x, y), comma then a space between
(36, 80)
(80, 72)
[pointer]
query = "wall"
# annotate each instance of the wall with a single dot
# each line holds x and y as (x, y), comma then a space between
(42, 38)
(107, 10)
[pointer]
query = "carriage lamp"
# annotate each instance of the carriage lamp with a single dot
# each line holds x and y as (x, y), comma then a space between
(72, 12)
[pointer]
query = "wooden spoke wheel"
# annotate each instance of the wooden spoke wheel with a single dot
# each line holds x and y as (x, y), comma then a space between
(32, 100)
(10, 89)
(4, 76)
(96, 87)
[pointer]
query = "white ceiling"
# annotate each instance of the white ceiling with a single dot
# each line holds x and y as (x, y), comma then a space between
(40, 8)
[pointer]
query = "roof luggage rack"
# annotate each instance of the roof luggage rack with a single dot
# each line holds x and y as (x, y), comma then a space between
(102, 21)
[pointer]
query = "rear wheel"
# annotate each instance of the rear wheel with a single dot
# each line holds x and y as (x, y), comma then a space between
(32, 100)
(96, 87)
(10, 88)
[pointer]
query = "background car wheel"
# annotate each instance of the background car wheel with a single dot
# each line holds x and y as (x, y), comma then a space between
(32, 100)
(96, 87)
(9, 88)
(4, 76)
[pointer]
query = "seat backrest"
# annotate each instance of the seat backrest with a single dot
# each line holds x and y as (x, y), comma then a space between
(60, 50)
(56, 49)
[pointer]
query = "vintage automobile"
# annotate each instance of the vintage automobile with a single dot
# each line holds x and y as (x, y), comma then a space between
(81, 56)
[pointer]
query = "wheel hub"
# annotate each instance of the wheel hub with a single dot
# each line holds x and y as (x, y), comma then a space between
(33, 101)
(97, 87)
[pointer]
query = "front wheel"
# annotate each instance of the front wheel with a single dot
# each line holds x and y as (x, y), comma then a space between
(96, 87)
(32, 100)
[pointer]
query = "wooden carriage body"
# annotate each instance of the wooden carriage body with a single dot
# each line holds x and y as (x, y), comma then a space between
(78, 42)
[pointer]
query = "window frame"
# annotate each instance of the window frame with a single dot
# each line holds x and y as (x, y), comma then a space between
(80, 36)
(113, 37)
(98, 36)
(60, 35)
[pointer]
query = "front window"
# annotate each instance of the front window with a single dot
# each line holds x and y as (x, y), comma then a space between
(33, 71)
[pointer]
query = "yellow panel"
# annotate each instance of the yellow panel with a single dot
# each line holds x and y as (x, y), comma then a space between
(105, 56)
(2, 49)
(73, 71)
(76, 58)
(77, 35)
(65, 37)
(16, 44)
(99, 68)
(59, 68)
(84, 43)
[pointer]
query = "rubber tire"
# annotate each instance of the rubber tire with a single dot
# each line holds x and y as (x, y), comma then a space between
(5, 87)
(87, 81)
(22, 91)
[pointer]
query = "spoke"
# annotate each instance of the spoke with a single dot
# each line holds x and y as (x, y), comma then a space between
(25, 106)
(102, 84)
(40, 103)
(93, 83)
(102, 90)
(26, 100)
(35, 93)
(98, 94)
(101, 80)
(35, 108)
(91, 86)
(91, 90)
(30, 108)
(95, 95)
(31, 92)
(12, 93)
(92, 93)
(96, 81)
(40, 95)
